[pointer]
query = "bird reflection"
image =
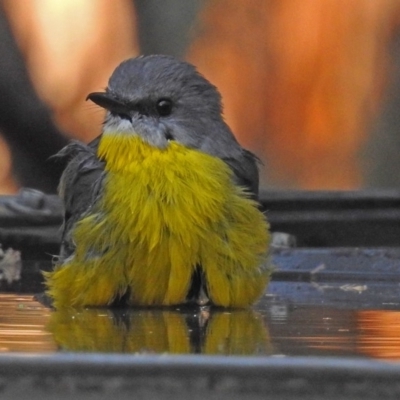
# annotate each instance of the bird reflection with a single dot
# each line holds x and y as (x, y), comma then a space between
(200, 330)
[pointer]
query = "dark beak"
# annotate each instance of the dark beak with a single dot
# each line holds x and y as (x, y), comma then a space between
(105, 100)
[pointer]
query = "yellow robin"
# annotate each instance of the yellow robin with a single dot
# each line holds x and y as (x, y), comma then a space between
(161, 208)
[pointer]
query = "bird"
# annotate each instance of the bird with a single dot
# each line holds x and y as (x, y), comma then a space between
(161, 208)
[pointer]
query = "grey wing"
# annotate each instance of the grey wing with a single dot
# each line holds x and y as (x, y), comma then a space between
(245, 169)
(79, 189)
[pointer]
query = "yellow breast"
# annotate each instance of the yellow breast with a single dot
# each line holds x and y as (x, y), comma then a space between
(162, 213)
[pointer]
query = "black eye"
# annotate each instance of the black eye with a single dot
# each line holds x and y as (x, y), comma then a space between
(164, 107)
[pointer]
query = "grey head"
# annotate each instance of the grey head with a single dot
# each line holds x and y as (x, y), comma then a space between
(161, 99)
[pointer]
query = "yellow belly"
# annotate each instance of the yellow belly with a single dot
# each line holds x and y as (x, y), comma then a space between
(162, 213)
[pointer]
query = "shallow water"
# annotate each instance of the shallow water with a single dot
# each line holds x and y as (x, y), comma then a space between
(347, 319)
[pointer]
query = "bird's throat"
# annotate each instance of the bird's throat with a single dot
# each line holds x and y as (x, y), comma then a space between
(121, 151)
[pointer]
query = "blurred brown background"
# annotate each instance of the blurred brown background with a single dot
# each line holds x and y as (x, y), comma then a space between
(311, 86)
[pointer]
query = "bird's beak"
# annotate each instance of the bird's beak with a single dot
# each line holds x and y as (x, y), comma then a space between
(105, 100)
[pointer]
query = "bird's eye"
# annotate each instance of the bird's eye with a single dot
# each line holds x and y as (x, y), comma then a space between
(164, 107)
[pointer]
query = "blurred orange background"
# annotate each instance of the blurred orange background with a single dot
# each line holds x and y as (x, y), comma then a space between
(302, 81)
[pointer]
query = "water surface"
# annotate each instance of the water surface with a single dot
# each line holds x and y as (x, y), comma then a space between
(351, 320)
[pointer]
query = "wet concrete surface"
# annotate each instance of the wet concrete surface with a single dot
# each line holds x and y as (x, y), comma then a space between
(327, 327)
(303, 340)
